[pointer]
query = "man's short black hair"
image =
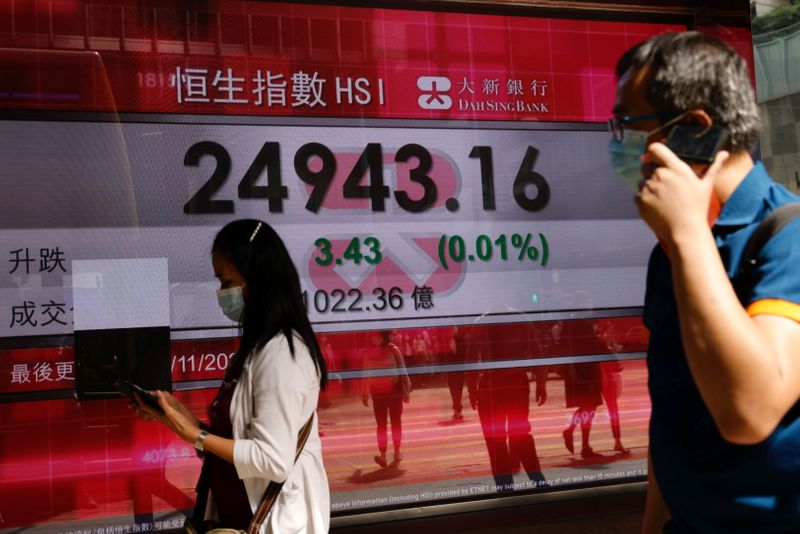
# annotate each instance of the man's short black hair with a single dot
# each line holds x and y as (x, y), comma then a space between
(690, 70)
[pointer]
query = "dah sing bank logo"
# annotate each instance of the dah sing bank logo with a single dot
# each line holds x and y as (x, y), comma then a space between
(434, 92)
(493, 94)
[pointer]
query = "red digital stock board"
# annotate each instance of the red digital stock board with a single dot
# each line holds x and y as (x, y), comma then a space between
(442, 177)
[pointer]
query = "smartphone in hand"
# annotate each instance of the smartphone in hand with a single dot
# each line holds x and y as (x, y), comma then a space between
(127, 388)
(695, 143)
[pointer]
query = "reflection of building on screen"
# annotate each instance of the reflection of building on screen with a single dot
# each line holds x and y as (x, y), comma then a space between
(91, 183)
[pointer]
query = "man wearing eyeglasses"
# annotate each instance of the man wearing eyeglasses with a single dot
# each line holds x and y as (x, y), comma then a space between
(724, 371)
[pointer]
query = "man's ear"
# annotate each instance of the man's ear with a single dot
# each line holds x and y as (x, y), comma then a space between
(699, 117)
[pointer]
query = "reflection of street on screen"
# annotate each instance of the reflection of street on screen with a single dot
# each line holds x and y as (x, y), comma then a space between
(83, 446)
(446, 459)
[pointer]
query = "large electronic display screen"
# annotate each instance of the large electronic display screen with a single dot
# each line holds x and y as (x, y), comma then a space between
(442, 183)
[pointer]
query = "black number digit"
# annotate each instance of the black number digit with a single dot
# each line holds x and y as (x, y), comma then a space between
(527, 176)
(354, 305)
(268, 157)
(418, 175)
(371, 160)
(320, 180)
(396, 298)
(484, 154)
(325, 301)
(381, 294)
(337, 304)
(202, 202)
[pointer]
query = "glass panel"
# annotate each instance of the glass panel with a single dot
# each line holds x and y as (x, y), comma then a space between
(470, 263)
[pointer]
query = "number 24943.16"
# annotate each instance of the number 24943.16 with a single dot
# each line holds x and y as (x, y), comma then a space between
(369, 164)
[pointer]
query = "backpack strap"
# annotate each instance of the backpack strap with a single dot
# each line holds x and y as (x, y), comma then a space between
(769, 227)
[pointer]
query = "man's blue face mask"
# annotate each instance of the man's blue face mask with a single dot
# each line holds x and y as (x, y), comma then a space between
(627, 146)
(626, 157)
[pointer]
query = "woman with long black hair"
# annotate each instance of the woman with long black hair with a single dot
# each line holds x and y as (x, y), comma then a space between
(269, 393)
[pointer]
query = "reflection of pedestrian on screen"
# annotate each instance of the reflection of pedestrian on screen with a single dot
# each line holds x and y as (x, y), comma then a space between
(611, 380)
(502, 398)
(583, 392)
(457, 353)
(334, 383)
(582, 381)
(388, 393)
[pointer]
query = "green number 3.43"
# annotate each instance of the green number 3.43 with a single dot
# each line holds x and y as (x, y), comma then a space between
(351, 253)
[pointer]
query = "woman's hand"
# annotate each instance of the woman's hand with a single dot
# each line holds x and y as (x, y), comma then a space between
(139, 408)
(365, 400)
(175, 416)
(178, 405)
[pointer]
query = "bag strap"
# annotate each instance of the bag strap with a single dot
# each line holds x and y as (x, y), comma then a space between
(397, 355)
(274, 488)
(399, 359)
(202, 488)
(770, 226)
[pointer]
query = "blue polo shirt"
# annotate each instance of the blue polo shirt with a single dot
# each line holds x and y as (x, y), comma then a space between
(711, 485)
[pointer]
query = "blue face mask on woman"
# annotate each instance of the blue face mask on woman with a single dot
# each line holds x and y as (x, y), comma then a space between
(231, 301)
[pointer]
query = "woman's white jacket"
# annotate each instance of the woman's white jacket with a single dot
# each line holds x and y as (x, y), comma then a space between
(274, 397)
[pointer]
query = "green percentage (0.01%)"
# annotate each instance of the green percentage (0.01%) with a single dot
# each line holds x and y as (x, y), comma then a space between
(455, 248)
